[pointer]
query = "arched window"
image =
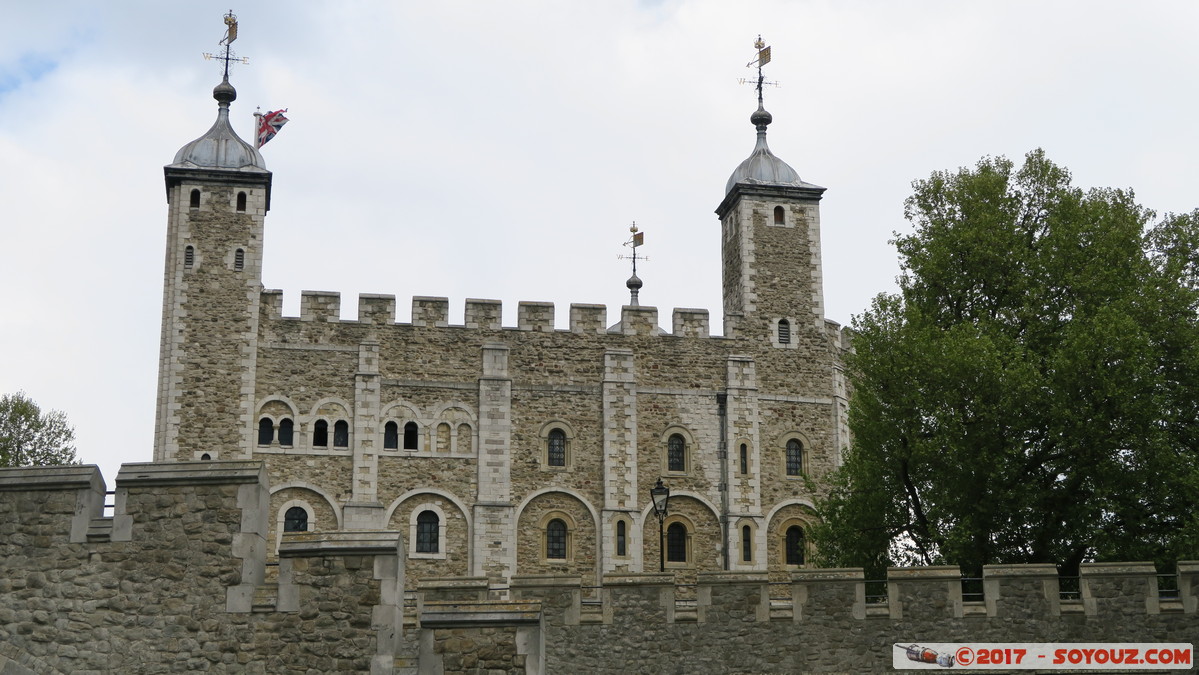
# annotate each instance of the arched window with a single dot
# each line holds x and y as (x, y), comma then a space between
(266, 431)
(555, 540)
(621, 539)
(747, 546)
(391, 436)
(794, 545)
(241, 202)
(239, 260)
(189, 256)
(341, 434)
(205, 457)
(676, 543)
(556, 448)
(286, 431)
(428, 527)
(784, 332)
(410, 430)
(295, 520)
(320, 434)
(780, 217)
(676, 453)
(794, 458)
(195, 199)
(744, 459)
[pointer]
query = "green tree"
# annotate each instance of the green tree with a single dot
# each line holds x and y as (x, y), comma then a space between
(1031, 393)
(29, 437)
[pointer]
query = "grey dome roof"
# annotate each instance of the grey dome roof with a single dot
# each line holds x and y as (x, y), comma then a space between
(762, 167)
(220, 147)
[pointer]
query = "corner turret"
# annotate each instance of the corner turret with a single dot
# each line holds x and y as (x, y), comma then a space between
(218, 194)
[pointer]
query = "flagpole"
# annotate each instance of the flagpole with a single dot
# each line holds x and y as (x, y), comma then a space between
(258, 128)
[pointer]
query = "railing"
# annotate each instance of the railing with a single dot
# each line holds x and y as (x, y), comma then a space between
(1167, 587)
(876, 592)
(590, 595)
(972, 589)
(1069, 588)
(110, 504)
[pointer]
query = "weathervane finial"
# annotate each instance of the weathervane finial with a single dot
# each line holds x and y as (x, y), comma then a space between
(634, 283)
(760, 60)
(230, 35)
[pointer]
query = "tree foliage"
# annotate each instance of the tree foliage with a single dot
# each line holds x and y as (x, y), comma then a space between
(1032, 392)
(29, 437)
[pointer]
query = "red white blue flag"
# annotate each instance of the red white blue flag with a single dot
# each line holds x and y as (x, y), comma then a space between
(269, 124)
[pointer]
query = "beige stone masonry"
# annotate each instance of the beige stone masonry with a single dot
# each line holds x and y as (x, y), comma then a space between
(535, 316)
(376, 309)
(484, 314)
(430, 312)
(588, 319)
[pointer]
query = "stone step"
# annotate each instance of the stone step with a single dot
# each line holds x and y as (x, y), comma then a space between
(266, 598)
(99, 529)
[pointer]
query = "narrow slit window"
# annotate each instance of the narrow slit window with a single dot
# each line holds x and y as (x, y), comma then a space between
(194, 203)
(744, 459)
(341, 434)
(286, 431)
(410, 431)
(295, 520)
(794, 458)
(780, 217)
(189, 256)
(555, 540)
(241, 202)
(621, 539)
(391, 436)
(676, 543)
(747, 550)
(239, 259)
(266, 431)
(784, 332)
(795, 545)
(676, 453)
(428, 527)
(556, 452)
(320, 434)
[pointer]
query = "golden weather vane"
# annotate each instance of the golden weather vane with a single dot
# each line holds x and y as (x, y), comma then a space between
(230, 35)
(761, 59)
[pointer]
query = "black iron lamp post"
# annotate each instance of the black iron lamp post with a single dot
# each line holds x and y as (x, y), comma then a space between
(661, 496)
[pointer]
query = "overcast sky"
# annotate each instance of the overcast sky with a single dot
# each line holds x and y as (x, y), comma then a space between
(501, 149)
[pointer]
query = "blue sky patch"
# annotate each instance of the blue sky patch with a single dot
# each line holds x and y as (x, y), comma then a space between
(27, 69)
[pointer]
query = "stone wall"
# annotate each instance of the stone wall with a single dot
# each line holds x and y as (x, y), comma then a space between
(175, 580)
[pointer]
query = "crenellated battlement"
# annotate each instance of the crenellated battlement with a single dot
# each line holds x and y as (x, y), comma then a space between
(186, 548)
(485, 314)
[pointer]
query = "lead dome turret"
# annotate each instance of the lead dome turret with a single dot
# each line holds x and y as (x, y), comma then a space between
(220, 147)
(762, 167)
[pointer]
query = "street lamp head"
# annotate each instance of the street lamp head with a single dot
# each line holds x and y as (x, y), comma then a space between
(661, 496)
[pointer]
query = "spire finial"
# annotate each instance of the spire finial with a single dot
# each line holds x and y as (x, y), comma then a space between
(760, 118)
(634, 282)
(228, 56)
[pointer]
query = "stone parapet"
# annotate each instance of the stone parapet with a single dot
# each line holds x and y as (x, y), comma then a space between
(484, 314)
(687, 322)
(430, 312)
(535, 316)
(377, 309)
(320, 306)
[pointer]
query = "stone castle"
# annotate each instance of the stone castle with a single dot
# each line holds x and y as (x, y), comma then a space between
(501, 450)
(440, 497)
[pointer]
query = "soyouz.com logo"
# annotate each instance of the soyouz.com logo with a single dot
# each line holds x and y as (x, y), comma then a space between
(1093, 656)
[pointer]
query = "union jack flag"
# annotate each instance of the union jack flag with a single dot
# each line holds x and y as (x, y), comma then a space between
(269, 124)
